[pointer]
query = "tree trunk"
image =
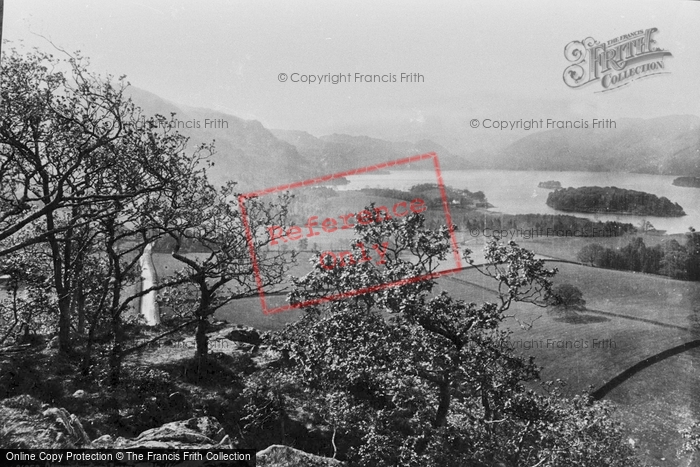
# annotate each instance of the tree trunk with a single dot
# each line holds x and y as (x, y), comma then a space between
(79, 303)
(115, 355)
(444, 404)
(202, 345)
(488, 416)
(64, 325)
(59, 282)
(87, 357)
(202, 325)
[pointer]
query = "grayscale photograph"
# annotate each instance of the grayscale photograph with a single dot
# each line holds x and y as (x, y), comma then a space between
(313, 233)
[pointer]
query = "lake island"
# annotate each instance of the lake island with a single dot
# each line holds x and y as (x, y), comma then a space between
(550, 185)
(613, 200)
(693, 182)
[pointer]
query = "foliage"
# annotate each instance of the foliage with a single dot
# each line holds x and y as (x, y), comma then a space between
(224, 269)
(691, 440)
(668, 258)
(404, 377)
(542, 225)
(430, 192)
(29, 301)
(88, 183)
(613, 200)
(590, 253)
(567, 296)
(687, 181)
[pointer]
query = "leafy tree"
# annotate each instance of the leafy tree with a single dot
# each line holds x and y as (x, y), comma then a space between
(90, 181)
(645, 225)
(674, 261)
(405, 377)
(63, 132)
(51, 130)
(590, 253)
(567, 296)
(692, 248)
(29, 299)
(223, 269)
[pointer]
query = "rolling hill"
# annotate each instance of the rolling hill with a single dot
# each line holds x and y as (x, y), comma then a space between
(258, 157)
(246, 151)
(667, 145)
(340, 152)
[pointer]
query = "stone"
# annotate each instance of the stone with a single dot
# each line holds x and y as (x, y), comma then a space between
(104, 441)
(244, 334)
(226, 442)
(206, 430)
(284, 456)
(194, 433)
(53, 343)
(70, 423)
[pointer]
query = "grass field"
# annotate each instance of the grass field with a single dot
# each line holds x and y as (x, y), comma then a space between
(246, 311)
(586, 351)
(656, 402)
(568, 247)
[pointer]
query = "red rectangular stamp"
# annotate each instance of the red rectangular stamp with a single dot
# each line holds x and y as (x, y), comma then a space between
(315, 194)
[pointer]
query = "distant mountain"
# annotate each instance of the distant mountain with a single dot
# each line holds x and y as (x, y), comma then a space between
(337, 152)
(257, 158)
(246, 152)
(665, 145)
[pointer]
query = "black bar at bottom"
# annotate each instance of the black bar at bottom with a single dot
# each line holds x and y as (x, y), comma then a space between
(126, 457)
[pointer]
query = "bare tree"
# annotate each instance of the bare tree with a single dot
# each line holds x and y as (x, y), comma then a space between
(222, 270)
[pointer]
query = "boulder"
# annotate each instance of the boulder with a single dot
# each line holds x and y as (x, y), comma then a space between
(53, 343)
(284, 456)
(244, 334)
(202, 429)
(70, 423)
(195, 433)
(29, 424)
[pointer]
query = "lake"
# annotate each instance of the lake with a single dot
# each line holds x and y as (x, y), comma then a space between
(516, 191)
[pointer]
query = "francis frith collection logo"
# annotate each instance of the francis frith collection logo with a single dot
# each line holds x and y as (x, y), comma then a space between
(615, 63)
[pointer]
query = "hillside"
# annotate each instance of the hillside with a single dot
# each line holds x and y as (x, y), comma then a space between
(258, 157)
(667, 145)
(339, 152)
(245, 150)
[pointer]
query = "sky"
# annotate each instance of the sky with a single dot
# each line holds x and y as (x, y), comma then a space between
(478, 59)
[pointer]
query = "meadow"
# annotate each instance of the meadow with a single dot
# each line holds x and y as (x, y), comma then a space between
(628, 317)
(654, 403)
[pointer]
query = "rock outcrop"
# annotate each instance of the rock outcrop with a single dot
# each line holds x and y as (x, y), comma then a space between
(29, 424)
(245, 334)
(284, 456)
(70, 423)
(195, 433)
